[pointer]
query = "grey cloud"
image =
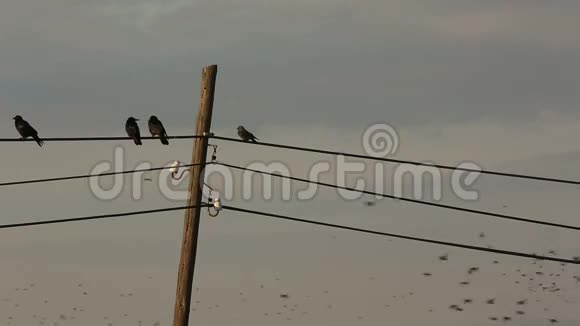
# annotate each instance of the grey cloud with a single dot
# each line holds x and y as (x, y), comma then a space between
(380, 60)
(143, 13)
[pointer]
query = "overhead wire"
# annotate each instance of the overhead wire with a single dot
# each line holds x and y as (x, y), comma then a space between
(399, 236)
(399, 161)
(416, 201)
(95, 217)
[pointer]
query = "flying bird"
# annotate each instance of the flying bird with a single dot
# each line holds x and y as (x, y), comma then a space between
(156, 129)
(472, 270)
(132, 129)
(25, 130)
(246, 135)
(522, 302)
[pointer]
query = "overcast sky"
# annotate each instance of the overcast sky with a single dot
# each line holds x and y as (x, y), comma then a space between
(491, 82)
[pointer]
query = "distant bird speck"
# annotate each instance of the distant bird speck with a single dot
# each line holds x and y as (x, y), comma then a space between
(472, 270)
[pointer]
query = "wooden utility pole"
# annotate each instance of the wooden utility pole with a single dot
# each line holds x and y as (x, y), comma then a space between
(192, 215)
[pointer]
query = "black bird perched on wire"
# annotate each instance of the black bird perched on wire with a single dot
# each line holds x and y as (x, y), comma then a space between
(246, 135)
(25, 130)
(156, 129)
(132, 129)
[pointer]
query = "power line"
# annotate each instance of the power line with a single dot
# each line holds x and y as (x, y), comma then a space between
(384, 159)
(95, 217)
(392, 235)
(82, 139)
(461, 209)
(12, 183)
(312, 150)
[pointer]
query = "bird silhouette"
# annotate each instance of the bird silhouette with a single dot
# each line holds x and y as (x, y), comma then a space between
(25, 130)
(246, 135)
(156, 129)
(472, 270)
(132, 129)
(522, 302)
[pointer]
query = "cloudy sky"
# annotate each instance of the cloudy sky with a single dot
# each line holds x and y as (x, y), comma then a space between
(492, 82)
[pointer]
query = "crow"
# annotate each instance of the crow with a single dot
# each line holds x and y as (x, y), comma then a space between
(132, 129)
(25, 130)
(246, 135)
(156, 129)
